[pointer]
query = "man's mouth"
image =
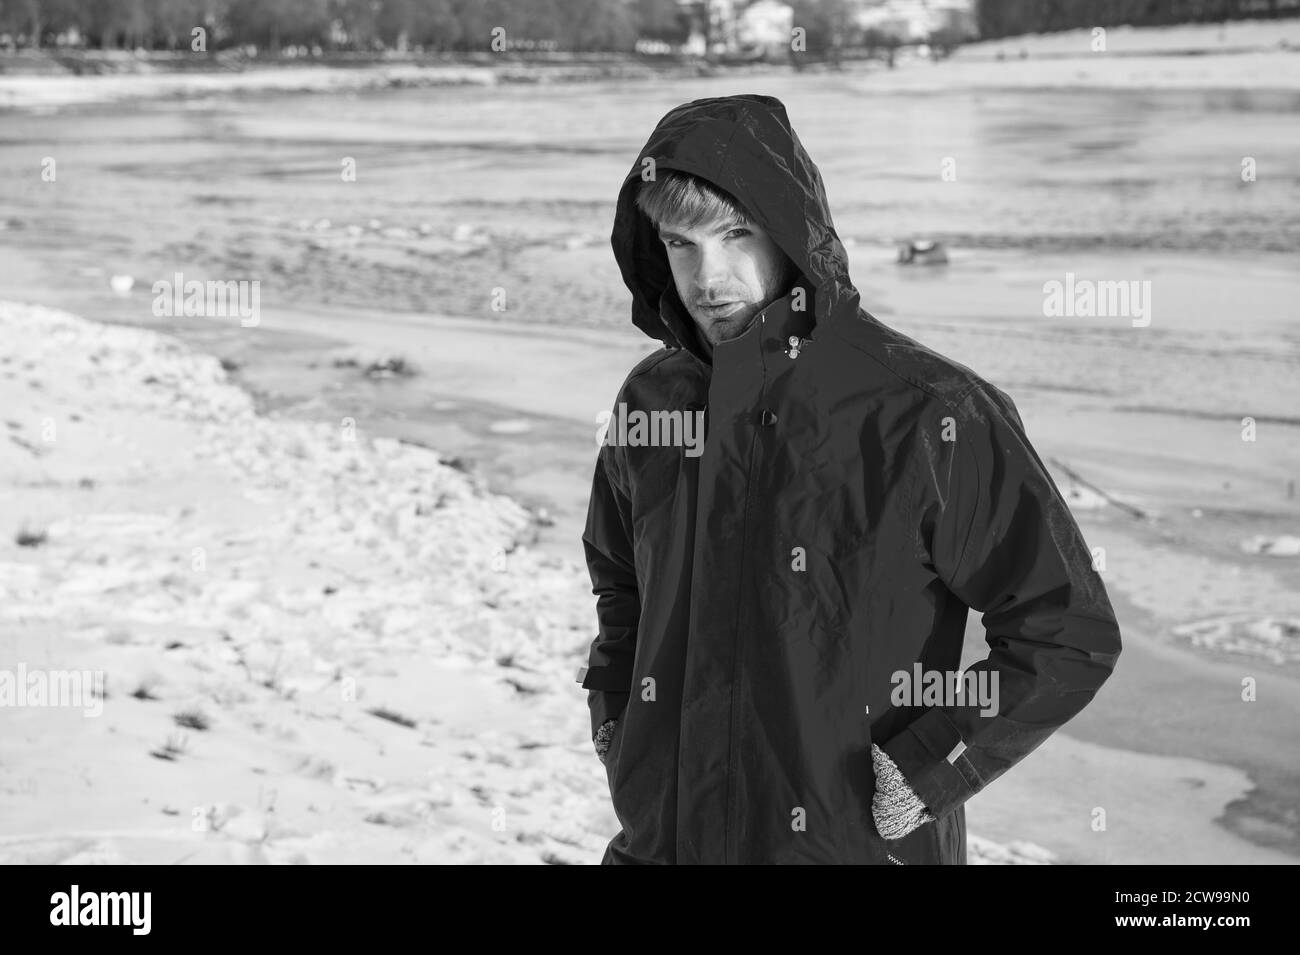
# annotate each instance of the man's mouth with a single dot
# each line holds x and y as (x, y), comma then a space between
(720, 310)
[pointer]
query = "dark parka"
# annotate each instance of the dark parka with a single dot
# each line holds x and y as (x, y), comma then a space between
(851, 502)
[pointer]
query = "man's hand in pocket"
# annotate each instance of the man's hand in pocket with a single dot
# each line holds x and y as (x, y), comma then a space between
(896, 807)
(603, 737)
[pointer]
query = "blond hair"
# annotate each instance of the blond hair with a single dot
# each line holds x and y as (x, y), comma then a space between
(686, 200)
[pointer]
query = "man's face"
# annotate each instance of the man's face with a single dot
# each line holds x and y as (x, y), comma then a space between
(726, 272)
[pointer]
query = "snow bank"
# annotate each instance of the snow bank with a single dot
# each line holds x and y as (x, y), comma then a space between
(303, 585)
(1281, 545)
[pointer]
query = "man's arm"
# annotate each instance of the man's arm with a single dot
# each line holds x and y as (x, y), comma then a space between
(607, 541)
(1004, 542)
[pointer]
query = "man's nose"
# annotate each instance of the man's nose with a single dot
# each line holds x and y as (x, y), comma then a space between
(710, 270)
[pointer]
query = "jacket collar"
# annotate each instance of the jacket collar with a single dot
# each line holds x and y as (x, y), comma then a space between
(769, 332)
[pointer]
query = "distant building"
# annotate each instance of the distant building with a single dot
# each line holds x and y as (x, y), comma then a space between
(759, 28)
(724, 33)
(764, 27)
(754, 28)
(696, 13)
(916, 21)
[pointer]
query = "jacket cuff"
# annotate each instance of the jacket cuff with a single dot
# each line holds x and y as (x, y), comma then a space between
(612, 677)
(930, 755)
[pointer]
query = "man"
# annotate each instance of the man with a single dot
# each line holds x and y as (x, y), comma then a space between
(763, 602)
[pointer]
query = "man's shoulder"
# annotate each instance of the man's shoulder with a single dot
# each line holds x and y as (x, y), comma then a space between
(908, 364)
(652, 361)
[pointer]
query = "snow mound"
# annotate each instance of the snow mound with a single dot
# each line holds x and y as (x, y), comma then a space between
(1274, 638)
(1283, 545)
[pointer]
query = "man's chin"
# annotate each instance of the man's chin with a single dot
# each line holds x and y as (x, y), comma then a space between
(733, 326)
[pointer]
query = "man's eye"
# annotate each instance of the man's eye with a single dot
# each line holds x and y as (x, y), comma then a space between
(741, 230)
(676, 243)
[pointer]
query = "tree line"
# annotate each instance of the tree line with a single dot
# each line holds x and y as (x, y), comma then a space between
(469, 25)
(1001, 18)
(333, 25)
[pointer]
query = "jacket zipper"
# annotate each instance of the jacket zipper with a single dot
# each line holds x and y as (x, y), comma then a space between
(735, 667)
(895, 861)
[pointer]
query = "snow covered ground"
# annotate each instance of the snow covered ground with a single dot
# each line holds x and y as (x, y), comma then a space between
(317, 645)
(384, 674)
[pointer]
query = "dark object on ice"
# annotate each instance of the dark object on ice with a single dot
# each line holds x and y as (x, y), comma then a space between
(191, 719)
(26, 538)
(386, 714)
(922, 252)
(175, 746)
(520, 687)
(390, 368)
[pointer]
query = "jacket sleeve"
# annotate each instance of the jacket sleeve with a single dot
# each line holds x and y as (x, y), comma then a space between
(607, 542)
(1003, 541)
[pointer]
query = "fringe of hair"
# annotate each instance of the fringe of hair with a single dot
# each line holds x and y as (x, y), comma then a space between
(680, 199)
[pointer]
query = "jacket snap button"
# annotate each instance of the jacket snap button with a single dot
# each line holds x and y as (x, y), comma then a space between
(769, 417)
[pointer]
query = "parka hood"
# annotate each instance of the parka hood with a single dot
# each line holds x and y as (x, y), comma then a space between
(744, 145)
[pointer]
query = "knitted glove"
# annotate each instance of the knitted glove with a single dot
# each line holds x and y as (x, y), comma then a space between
(896, 807)
(603, 737)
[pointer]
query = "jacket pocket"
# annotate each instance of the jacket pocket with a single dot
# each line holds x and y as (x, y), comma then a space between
(918, 847)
